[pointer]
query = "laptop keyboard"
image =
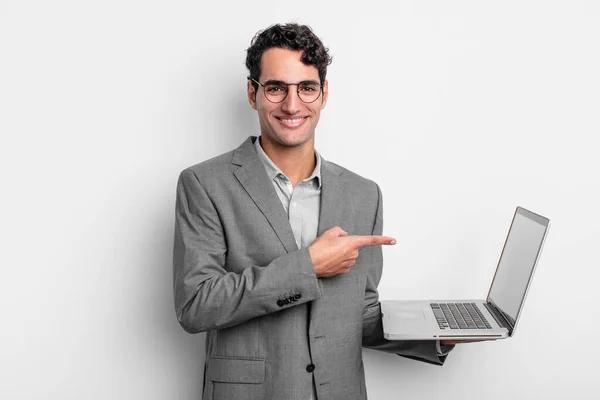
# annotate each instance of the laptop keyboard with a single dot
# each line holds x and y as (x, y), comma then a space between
(459, 316)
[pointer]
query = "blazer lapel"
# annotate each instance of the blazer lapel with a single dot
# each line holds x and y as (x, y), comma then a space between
(334, 197)
(253, 177)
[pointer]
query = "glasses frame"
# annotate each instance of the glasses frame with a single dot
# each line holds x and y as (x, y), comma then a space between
(288, 91)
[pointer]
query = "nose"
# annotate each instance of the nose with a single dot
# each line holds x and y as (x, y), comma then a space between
(292, 102)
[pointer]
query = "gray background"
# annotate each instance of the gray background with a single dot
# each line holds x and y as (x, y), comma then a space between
(459, 111)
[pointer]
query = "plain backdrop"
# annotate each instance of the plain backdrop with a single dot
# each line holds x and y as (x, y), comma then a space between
(460, 110)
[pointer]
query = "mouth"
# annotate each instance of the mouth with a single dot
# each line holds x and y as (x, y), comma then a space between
(292, 122)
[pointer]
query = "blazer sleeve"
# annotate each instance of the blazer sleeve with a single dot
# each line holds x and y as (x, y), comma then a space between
(421, 350)
(207, 296)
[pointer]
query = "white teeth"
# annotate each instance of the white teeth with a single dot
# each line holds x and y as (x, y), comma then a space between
(292, 121)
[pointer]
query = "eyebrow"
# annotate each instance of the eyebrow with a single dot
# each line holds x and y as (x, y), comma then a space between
(277, 82)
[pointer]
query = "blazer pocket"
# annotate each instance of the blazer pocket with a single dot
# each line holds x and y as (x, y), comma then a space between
(236, 370)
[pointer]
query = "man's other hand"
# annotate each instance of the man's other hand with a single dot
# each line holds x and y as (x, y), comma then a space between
(334, 252)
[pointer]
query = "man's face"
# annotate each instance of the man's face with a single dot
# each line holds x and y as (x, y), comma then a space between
(292, 122)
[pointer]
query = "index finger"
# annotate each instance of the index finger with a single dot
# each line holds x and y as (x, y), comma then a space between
(374, 240)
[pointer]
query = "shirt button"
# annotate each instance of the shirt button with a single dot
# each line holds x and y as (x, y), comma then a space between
(310, 367)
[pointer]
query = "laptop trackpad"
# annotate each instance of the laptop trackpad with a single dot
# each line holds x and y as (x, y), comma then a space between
(406, 315)
(409, 319)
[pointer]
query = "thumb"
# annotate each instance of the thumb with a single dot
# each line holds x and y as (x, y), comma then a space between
(335, 232)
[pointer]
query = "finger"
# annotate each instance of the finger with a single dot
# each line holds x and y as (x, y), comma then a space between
(362, 241)
(336, 231)
(341, 269)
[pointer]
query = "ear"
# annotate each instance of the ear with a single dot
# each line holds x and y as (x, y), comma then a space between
(325, 94)
(251, 95)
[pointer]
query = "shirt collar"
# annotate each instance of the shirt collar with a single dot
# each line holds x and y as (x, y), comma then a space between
(273, 170)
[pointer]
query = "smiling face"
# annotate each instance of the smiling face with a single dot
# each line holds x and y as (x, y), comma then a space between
(292, 122)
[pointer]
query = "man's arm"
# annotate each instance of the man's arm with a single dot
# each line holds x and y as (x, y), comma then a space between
(207, 296)
(422, 350)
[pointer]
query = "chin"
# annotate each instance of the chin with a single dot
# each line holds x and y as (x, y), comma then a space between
(295, 141)
(290, 139)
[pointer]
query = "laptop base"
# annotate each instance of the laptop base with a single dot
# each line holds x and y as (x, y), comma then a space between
(415, 320)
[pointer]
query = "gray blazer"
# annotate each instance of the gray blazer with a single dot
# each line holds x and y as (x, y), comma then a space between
(272, 326)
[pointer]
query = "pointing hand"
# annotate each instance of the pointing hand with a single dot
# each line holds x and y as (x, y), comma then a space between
(334, 252)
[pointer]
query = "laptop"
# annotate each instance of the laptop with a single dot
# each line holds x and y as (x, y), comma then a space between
(497, 316)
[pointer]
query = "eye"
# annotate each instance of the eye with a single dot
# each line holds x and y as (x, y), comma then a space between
(309, 88)
(275, 89)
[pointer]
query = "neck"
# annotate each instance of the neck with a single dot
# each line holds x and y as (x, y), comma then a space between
(297, 163)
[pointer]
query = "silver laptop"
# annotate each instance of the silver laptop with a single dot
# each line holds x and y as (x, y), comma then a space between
(493, 318)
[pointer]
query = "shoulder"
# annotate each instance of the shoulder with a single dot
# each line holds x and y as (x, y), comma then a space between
(221, 167)
(209, 174)
(352, 180)
(215, 165)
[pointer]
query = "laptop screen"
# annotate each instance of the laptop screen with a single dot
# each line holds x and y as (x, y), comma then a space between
(517, 262)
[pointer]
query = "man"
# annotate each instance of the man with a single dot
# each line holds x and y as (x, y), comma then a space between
(277, 251)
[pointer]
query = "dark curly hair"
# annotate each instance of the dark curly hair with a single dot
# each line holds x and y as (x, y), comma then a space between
(288, 36)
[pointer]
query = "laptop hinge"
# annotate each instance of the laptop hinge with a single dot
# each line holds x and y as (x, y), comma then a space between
(497, 314)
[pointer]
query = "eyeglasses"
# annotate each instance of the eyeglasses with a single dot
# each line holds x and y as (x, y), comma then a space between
(277, 91)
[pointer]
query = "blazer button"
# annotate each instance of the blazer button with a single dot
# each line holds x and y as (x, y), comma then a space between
(292, 299)
(286, 301)
(310, 367)
(280, 303)
(298, 296)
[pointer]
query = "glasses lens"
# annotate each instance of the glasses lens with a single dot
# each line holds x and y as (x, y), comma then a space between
(276, 93)
(309, 92)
